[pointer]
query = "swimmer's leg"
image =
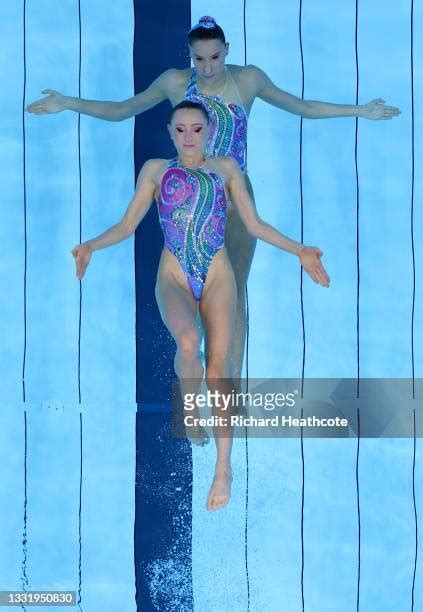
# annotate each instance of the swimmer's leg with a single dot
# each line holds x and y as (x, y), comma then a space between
(218, 312)
(240, 247)
(179, 313)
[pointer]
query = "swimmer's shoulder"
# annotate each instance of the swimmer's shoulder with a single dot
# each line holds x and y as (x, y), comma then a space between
(153, 169)
(174, 82)
(248, 79)
(225, 165)
(247, 75)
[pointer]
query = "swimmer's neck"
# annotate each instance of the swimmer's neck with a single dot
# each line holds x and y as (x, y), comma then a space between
(191, 161)
(212, 89)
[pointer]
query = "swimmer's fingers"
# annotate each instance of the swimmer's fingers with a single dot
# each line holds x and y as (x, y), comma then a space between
(377, 109)
(80, 268)
(318, 274)
(35, 109)
(310, 260)
(392, 110)
(53, 103)
(82, 254)
(388, 112)
(38, 111)
(322, 276)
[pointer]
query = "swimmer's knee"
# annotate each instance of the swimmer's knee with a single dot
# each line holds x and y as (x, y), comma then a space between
(217, 368)
(188, 344)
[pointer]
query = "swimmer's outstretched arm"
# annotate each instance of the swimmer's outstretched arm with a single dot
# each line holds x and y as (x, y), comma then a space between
(56, 102)
(309, 256)
(137, 209)
(265, 89)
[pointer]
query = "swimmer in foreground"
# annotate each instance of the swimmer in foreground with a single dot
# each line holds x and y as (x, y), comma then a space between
(228, 93)
(195, 273)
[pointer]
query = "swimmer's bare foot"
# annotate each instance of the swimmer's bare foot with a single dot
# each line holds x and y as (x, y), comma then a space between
(197, 435)
(220, 491)
(195, 432)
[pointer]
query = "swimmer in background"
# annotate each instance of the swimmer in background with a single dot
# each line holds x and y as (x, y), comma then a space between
(195, 273)
(228, 93)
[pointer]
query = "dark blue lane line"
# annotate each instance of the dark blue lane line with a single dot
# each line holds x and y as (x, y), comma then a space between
(412, 190)
(416, 524)
(247, 374)
(357, 487)
(301, 196)
(80, 319)
(247, 465)
(302, 514)
(163, 493)
(357, 203)
(80, 198)
(24, 577)
(80, 516)
(302, 307)
(24, 201)
(357, 464)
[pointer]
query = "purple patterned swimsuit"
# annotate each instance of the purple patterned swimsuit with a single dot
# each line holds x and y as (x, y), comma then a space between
(192, 212)
(228, 124)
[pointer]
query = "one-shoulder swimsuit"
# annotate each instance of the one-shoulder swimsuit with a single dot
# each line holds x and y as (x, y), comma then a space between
(192, 210)
(228, 122)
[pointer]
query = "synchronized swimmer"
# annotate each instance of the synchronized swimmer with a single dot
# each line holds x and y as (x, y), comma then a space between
(195, 274)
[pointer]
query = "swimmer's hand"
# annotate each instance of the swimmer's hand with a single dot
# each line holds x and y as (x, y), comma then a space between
(310, 261)
(53, 103)
(377, 109)
(82, 254)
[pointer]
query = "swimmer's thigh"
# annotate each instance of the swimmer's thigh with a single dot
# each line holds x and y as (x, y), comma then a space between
(240, 245)
(218, 307)
(177, 307)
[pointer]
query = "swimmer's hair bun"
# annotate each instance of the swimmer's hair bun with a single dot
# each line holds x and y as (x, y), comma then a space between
(206, 29)
(207, 22)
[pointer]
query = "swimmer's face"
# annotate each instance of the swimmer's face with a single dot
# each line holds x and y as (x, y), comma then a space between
(209, 58)
(189, 131)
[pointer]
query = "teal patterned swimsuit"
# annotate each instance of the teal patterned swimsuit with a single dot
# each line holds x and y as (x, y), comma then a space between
(228, 124)
(192, 212)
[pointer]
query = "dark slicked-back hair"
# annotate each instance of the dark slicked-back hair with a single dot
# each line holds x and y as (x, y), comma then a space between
(206, 29)
(189, 105)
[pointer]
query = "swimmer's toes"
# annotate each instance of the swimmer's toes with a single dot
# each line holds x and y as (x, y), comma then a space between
(199, 442)
(217, 502)
(200, 437)
(220, 491)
